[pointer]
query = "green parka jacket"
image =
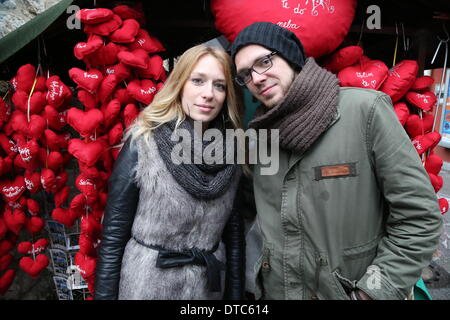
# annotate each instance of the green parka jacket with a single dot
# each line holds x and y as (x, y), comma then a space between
(357, 210)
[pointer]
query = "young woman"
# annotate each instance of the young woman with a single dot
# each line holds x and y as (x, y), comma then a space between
(164, 222)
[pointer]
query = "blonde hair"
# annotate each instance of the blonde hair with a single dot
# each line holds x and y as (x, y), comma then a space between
(166, 105)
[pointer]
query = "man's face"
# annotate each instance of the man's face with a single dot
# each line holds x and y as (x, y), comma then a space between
(270, 87)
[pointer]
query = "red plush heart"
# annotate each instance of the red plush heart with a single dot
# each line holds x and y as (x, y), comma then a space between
(111, 111)
(8, 145)
(27, 247)
(34, 267)
(6, 280)
(5, 261)
(104, 28)
(155, 69)
(130, 113)
(40, 84)
(48, 179)
(65, 216)
(145, 41)
(85, 185)
(61, 196)
(123, 96)
(94, 16)
(342, 58)
(24, 78)
(370, 75)
(137, 58)
(3, 227)
(320, 25)
(424, 101)
(433, 164)
(13, 189)
(58, 93)
(100, 204)
(83, 49)
(55, 120)
(33, 207)
(36, 103)
(125, 12)
(19, 164)
(6, 165)
(105, 55)
(34, 224)
(115, 134)
(120, 70)
(55, 141)
(20, 204)
(14, 219)
(126, 33)
(6, 246)
(87, 99)
(87, 245)
(85, 123)
(443, 205)
(427, 141)
(32, 181)
(107, 87)
(436, 181)
(91, 227)
(28, 150)
(79, 204)
(422, 83)
(415, 126)
(54, 160)
(143, 91)
(60, 182)
(86, 265)
(400, 79)
(402, 112)
(87, 152)
(88, 80)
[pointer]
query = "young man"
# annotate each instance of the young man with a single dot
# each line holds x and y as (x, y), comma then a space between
(351, 213)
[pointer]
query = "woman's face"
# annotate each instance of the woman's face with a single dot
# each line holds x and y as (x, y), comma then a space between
(205, 90)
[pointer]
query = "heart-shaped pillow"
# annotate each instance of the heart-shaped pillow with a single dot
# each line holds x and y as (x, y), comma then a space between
(433, 164)
(88, 246)
(34, 267)
(34, 224)
(54, 119)
(48, 179)
(320, 25)
(54, 160)
(5, 112)
(424, 101)
(422, 143)
(400, 79)
(86, 265)
(8, 145)
(55, 141)
(104, 28)
(24, 78)
(436, 181)
(33, 129)
(106, 55)
(65, 216)
(115, 134)
(79, 204)
(402, 112)
(88, 80)
(83, 49)
(58, 93)
(61, 196)
(155, 69)
(369, 75)
(422, 83)
(88, 100)
(123, 96)
(89, 172)
(126, 33)
(6, 246)
(111, 111)
(143, 91)
(14, 219)
(145, 41)
(13, 189)
(91, 227)
(26, 247)
(6, 280)
(443, 205)
(32, 181)
(85, 123)
(28, 150)
(415, 126)
(6, 165)
(120, 70)
(36, 103)
(343, 58)
(33, 207)
(5, 261)
(60, 181)
(85, 185)
(86, 152)
(94, 16)
(20, 204)
(137, 58)
(107, 87)
(130, 113)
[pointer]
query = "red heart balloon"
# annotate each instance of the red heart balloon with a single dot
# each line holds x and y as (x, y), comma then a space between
(104, 28)
(400, 79)
(111, 111)
(107, 87)
(13, 189)
(32, 181)
(61, 196)
(88, 80)
(58, 93)
(433, 164)
(87, 152)
(126, 33)
(33, 207)
(87, 99)
(65, 216)
(14, 219)
(6, 280)
(427, 141)
(5, 261)
(137, 58)
(86, 265)
(145, 41)
(34, 267)
(369, 75)
(436, 181)
(307, 20)
(415, 126)
(424, 101)
(94, 16)
(83, 49)
(91, 227)
(343, 58)
(143, 91)
(34, 224)
(422, 83)
(88, 246)
(443, 205)
(85, 123)
(402, 112)
(130, 113)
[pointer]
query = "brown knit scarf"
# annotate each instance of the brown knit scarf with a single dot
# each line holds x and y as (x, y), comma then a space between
(309, 108)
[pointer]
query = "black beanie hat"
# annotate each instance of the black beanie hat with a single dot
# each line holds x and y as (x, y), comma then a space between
(273, 37)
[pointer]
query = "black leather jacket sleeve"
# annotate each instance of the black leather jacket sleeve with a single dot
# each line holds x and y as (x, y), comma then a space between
(123, 196)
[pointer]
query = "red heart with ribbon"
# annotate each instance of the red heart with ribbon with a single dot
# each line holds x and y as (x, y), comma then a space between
(20, 204)
(343, 58)
(14, 219)
(5, 261)
(33, 207)
(400, 78)
(79, 204)
(85, 123)
(104, 28)
(34, 267)
(126, 33)
(88, 80)
(145, 41)
(87, 152)
(424, 101)
(12, 190)
(65, 216)
(369, 75)
(94, 16)
(32, 181)
(443, 205)
(34, 224)
(422, 143)
(137, 58)
(88, 100)
(58, 93)
(402, 112)
(143, 91)
(6, 280)
(61, 196)
(422, 83)
(415, 126)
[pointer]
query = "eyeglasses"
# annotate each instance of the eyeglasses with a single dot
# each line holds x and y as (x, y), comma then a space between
(260, 66)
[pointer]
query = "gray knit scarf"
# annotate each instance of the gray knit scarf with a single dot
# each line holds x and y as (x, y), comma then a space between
(202, 181)
(309, 108)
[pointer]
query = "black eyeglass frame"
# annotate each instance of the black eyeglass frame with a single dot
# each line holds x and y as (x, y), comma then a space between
(242, 82)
